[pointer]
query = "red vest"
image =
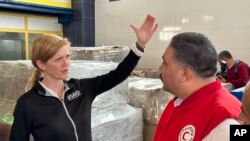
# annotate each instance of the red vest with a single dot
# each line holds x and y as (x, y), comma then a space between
(197, 115)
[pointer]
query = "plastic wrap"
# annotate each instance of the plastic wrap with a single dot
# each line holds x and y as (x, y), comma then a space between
(13, 77)
(147, 93)
(146, 73)
(111, 121)
(6, 118)
(104, 53)
(6, 110)
(112, 118)
(86, 69)
(116, 122)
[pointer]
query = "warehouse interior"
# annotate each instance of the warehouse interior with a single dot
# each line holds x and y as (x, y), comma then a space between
(100, 35)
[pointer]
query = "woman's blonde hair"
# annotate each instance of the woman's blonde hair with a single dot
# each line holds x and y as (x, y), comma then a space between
(43, 48)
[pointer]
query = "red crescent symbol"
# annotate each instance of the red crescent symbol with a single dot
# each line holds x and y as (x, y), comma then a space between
(184, 134)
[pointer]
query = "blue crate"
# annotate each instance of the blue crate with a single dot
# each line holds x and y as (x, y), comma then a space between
(238, 93)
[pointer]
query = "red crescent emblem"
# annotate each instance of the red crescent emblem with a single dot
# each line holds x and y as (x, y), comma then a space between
(184, 134)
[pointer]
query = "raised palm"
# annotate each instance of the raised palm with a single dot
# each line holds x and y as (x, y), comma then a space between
(146, 31)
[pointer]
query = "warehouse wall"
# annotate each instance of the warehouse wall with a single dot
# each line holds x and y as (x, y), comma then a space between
(225, 22)
(80, 30)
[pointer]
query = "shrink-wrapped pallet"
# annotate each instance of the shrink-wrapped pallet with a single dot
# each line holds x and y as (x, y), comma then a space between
(6, 119)
(147, 93)
(87, 68)
(112, 104)
(110, 121)
(103, 53)
(13, 77)
(146, 73)
(116, 122)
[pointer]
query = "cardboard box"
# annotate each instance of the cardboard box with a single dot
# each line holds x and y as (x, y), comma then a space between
(148, 132)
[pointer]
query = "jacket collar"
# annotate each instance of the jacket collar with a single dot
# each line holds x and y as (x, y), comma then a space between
(42, 91)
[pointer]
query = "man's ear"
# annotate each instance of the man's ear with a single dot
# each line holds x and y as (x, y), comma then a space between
(40, 65)
(187, 74)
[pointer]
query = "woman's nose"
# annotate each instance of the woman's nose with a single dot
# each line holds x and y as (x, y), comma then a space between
(66, 62)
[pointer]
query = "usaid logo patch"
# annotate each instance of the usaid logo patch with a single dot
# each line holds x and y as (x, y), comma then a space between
(187, 133)
(74, 95)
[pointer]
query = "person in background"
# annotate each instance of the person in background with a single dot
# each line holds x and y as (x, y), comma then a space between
(202, 109)
(223, 67)
(236, 72)
(57, 109)
(245, 106)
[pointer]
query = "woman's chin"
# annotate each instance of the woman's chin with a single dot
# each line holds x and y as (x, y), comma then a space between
(65, 77)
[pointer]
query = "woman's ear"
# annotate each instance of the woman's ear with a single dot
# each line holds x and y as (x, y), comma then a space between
(186, 74)
(40, 65)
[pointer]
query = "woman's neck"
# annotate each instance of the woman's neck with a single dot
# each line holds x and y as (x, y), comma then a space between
(56, 86)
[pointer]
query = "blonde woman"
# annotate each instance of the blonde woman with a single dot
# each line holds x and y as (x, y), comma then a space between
(54, 109)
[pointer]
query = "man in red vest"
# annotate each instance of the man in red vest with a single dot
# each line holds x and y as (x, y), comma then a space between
(236, 71)
(202, 109)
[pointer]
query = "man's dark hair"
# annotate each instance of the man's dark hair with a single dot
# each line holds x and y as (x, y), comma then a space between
(224, 54)
(196, 51)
